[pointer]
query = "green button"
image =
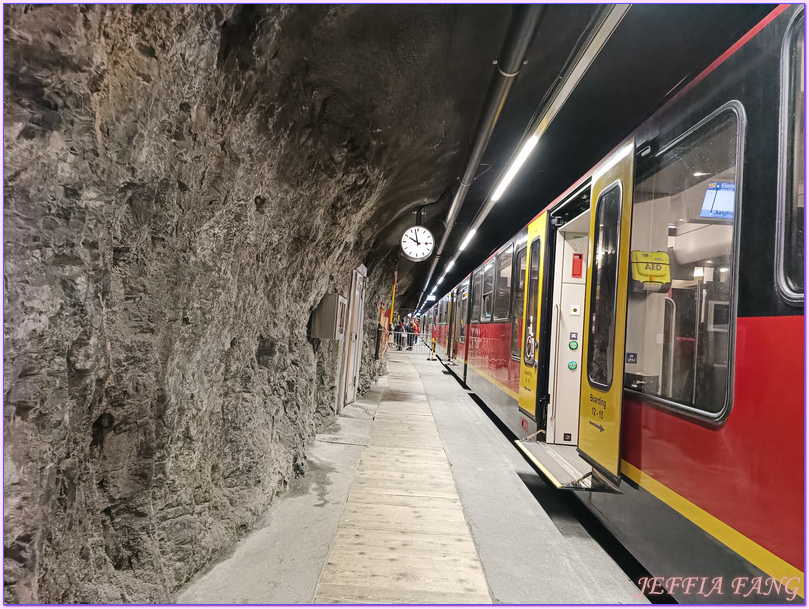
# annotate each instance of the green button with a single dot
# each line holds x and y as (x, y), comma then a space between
(573, 345)
(572, 365)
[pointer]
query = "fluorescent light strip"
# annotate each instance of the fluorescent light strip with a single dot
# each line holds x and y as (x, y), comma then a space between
(449, 266)
(468, 238)
(515, 166)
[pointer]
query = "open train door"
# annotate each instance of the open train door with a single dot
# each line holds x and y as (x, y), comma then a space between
(532, 284)
(605, 305)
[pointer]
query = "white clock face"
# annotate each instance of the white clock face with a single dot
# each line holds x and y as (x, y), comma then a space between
(417, 243)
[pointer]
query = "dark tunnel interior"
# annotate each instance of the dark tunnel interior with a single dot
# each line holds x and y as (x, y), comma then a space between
(184, 184)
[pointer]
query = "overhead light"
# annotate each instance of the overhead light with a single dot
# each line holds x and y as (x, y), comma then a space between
(440, 279)
(724, 269)
(515, 167)
(468, 238)
(699, 174)
(449, 266)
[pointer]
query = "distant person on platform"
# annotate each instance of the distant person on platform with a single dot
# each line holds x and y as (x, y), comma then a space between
(398, 333)
(411, 334)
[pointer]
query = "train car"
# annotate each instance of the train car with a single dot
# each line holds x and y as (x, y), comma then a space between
(643, 334)
(440, 333)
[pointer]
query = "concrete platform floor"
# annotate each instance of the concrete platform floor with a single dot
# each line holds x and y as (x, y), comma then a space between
(416, 497)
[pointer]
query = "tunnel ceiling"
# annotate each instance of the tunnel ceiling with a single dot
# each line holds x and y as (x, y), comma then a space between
(653, 53)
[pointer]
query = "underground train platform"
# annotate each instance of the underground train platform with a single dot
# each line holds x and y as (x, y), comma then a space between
(234, 234)
(414, 496)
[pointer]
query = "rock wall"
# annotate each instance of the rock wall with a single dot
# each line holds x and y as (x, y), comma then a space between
(183, 183)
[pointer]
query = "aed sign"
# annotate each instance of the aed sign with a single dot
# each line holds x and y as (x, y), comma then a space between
(650, 271)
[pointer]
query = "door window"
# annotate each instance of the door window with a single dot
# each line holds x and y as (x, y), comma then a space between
(519, 294)
(604, 288)
(530, 342)
(462, 314)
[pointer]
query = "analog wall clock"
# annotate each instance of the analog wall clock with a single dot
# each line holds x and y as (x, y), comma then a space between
(417, 243)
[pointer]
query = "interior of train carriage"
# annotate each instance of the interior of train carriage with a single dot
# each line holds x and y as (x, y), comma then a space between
(679, 292)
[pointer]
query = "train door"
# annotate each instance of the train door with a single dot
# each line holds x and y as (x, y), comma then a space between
(602, 378)
(354, 348)
(567, 327)
(464, 325)
(531, 315)
(451, 323)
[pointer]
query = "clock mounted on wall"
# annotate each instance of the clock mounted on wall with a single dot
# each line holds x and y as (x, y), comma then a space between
(417, 243)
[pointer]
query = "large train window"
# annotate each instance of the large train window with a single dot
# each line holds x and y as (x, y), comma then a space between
(531, 309)
(604, 288)
(502, 297)
(488, 292)
(476, 285)
(680, 309)
(792, 197)
(519, 295)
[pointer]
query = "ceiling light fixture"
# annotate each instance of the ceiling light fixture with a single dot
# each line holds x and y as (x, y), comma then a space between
(468, 238)
(515, 166)
(449, 266)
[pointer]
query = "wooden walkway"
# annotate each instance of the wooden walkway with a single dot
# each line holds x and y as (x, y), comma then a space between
(403, 537)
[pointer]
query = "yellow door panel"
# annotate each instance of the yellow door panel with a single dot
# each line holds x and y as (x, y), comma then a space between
(602, 381)
(534, 269)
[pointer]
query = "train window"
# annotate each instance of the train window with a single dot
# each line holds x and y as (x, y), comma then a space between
(519, 294)
(502, 296)
(604, 288)
(462, 315)
(488, 292)
(791, 203)
(679, 329)
(476, 285)
(531, 308)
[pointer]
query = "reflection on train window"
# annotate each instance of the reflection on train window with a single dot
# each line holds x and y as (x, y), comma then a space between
(476, 284)
(488, 292)
(530, 342)
(502, 297)
(794, 165)
(679, 315)
(519, 294)
(603, 288)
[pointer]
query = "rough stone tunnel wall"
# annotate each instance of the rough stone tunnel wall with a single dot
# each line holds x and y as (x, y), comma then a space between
(182, 186)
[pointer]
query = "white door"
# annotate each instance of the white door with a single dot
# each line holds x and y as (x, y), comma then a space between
(354, 352)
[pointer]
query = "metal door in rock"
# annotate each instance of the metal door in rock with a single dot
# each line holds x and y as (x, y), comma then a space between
(353, 353)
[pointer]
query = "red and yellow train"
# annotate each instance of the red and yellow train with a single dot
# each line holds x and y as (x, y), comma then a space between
(643, 335)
